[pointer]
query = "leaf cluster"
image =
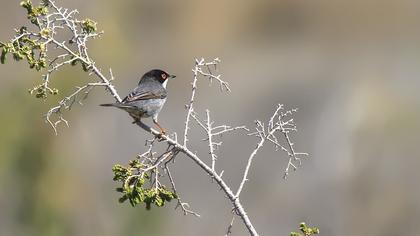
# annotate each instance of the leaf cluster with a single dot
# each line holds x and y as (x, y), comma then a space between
(32, 46)
(307, 231)
(24, 47)
(134, 189)
(34, 12)
(88, 26)
(42, 91)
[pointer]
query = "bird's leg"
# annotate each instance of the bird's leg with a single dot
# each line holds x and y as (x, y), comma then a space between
(136, 119)
(162, 131)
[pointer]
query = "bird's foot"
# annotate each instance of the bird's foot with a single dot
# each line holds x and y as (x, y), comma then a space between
(160, 135)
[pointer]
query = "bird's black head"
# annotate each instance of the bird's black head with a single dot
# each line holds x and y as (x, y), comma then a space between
(159, 75)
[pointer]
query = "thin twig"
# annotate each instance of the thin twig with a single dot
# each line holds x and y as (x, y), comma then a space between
(184, 206)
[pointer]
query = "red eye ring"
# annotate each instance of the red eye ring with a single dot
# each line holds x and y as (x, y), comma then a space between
(163, 76)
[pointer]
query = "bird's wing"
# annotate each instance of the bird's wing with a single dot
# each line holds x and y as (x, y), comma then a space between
(145, 95)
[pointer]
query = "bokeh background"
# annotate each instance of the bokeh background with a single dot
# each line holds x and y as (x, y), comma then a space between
(351, 67)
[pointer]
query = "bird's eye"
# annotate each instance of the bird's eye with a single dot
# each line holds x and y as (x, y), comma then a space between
(163, 76)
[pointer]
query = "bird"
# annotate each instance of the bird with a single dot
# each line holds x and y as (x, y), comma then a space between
(147, 98)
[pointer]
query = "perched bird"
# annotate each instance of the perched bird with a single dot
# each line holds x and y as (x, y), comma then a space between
(147, 99)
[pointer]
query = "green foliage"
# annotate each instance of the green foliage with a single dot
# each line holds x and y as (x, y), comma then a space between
(45, 32)
(42, 91)
(134, 187)
(307, 231)
(88, 26)
(31, 44)
(23, 47)
(120, 173)
(34, 12)
(3, 55)
(34, 51)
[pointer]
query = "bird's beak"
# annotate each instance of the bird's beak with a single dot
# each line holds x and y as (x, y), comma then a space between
(172, 76)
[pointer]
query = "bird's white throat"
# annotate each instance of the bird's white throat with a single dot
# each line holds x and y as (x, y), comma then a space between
(165, 83)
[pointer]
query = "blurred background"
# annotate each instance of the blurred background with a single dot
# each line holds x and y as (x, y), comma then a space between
(351, 67)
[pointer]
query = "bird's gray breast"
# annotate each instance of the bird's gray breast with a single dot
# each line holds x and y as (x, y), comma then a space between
(151, 107)
(145, 108)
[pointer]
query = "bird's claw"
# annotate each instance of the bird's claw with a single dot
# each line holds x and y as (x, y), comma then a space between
(160, 136)
(136, 120)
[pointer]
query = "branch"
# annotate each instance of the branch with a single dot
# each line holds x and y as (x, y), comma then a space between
(184, 206)
(269, 133)
(229, 229)
(35, 45)
(141, 180)
(198, 71)
(277, 124)
(210, 139)
(218, 179)
(248, 166)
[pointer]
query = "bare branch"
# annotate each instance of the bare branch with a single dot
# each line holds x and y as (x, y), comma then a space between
(229, 229)
(210, 139)
(184, 206)
(275, 124)
(66, 103)
(191, 103)
(248, 166)
(198, 71)
(218, 179)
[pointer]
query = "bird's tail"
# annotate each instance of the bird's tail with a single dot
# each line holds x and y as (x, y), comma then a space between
(118, 105)
(109, 105)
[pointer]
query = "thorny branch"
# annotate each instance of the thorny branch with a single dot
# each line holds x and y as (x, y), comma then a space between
(149, 166)
(184, 206)
(50, 21)
(280, 124)
(198, 70)
(229, 229)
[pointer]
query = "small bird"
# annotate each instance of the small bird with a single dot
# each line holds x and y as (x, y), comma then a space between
(147, 99)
